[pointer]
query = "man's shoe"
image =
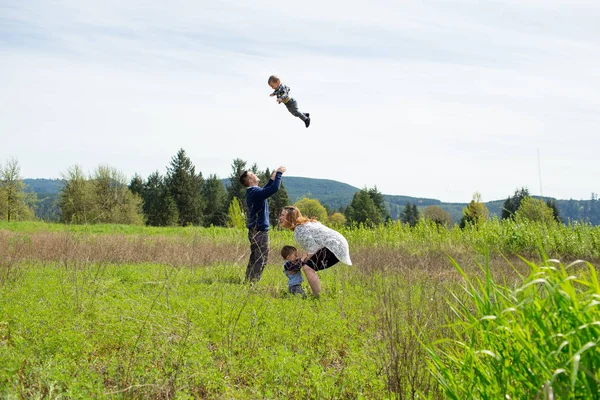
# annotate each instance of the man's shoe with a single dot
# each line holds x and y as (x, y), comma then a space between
(307, 122)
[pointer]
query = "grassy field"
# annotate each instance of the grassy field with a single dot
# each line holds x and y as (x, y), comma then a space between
(109, 311)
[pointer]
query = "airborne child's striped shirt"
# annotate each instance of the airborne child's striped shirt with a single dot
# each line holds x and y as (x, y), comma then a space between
(282, 92)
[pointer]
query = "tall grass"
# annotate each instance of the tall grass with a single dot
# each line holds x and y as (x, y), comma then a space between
(537, 340)
(573, 241)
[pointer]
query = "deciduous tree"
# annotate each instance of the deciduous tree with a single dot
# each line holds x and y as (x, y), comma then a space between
(15, 203)
(312, 208)
(438, 215)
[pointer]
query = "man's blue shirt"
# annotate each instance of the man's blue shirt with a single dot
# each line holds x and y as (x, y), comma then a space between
(258, 206)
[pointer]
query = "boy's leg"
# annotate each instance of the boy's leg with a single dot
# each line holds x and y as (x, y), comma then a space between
(259, 253)
(296, 289)
(292, 106)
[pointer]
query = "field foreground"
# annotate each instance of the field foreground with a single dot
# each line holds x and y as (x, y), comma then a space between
(145, 315)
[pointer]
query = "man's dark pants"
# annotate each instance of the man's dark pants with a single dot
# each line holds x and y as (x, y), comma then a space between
(259, 254)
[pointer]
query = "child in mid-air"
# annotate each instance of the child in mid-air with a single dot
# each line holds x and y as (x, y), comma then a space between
(283, 96)
(292, 268)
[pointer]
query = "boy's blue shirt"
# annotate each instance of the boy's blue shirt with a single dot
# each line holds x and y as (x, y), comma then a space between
(258, 206)
(291, 266)
(293, 279)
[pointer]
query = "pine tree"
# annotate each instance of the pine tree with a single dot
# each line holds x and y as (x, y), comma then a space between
(554, 207)
(277, 201)
(235, 189)
(511, 204)
(159, 207)
(362, 210)
(410, 214)
(216, 198)
(377, 198)
(185, 187)
(136, 184)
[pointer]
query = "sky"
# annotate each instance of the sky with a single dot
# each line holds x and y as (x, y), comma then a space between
(436, 99)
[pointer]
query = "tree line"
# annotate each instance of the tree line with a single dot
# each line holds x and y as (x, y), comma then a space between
(183, 196)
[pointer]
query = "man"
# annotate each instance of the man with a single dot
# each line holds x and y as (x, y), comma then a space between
(258, 220)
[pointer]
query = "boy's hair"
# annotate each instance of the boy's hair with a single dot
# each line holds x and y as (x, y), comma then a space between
(273, 79)
(287, 250)
(244, 178)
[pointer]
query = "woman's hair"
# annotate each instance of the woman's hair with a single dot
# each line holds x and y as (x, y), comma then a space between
(273, 79)
(294, 217)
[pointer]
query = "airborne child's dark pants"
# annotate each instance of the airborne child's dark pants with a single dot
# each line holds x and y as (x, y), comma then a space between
(292, 106)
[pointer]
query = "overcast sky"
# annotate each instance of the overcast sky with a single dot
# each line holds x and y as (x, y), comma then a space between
(435, 99)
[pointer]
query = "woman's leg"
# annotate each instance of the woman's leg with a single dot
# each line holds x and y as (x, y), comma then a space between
(313, 279)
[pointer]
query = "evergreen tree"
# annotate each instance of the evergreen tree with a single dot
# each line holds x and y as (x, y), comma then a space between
(410, 214)
(216, 202)
(554, 207)
(377, 198)
(362, 210)
(235, 189)
(159, 207)
(277, 201)
(185, 187)
(15, 203)
(136, 185)
(511, 204)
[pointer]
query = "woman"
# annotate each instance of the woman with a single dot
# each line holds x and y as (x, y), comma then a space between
(325, 246)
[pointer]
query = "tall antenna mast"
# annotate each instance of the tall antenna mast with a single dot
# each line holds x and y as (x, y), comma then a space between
(539, 172)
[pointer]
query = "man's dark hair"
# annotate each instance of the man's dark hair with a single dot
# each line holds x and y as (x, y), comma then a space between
(287, 250)
(244, 178)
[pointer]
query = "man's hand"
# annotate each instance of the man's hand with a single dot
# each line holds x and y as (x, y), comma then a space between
(279, 101)
(280, 169)
(272, 94)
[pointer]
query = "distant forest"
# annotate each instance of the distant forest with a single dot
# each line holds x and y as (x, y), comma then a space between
(337, 195)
